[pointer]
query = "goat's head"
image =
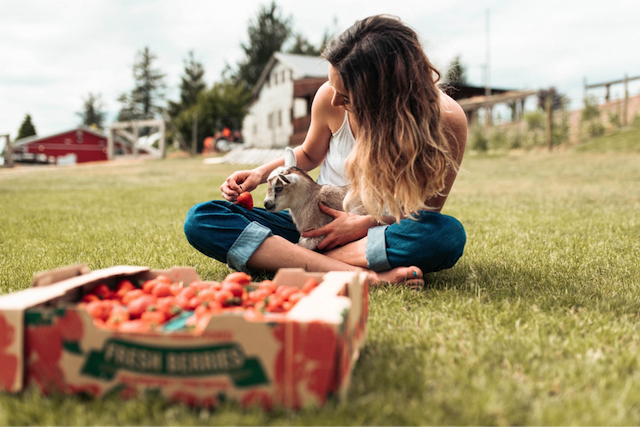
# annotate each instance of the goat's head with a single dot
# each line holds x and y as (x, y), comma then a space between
(281, 182)
(279, 179)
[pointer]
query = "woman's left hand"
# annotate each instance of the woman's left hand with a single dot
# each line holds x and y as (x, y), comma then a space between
(345, 228)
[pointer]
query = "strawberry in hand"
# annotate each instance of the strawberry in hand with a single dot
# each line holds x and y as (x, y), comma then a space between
(246, 200)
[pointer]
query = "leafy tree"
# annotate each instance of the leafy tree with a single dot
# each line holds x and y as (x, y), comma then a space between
(456, 72)
(267, 34)
(144, 100)
(550, 95)
(222, 105)
(26, 128)
(92, 113)
(192, 83)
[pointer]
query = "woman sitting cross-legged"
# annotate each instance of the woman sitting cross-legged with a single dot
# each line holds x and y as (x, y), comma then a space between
(382, 125)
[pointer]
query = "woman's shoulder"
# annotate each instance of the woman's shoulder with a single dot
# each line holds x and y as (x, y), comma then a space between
(454, 121)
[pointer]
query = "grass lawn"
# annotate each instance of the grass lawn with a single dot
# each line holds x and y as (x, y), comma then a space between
(537, 323)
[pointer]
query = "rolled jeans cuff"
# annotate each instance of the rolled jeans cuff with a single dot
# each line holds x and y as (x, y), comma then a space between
(376, 251)
(246, 244)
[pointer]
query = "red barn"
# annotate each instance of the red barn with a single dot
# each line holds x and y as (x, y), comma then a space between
(74, 146)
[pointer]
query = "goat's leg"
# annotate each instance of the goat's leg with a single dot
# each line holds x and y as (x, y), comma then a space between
(310, 243)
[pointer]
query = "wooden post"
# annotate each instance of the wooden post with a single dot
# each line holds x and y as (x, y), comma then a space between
(163, 142)
(625, 109)
(110, 143)
(8, 152)
(547, 106)
(585, 89)
(607, 95)
(194, 134)
(135, 140)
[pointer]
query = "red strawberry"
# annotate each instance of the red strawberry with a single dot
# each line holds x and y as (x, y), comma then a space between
(246, 200)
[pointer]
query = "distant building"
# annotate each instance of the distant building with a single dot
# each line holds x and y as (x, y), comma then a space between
(73, 146)
(78, 145)
(280, 111)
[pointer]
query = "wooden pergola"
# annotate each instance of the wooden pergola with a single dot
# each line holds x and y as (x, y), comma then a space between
(129, 132)
(472, 105)
(607, 85)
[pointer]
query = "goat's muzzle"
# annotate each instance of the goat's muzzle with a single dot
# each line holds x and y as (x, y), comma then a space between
(269, 205)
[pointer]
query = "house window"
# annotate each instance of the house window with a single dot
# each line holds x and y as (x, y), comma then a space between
(279, 118)
(255, 129)
(79, 138)
(270, 121)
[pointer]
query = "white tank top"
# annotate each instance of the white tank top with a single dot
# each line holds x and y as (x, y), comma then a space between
(332, 170)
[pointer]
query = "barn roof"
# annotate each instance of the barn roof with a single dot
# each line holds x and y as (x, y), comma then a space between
(35, 138)
(303, 66)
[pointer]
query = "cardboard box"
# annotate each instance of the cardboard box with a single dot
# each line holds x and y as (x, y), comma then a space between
(298, 360)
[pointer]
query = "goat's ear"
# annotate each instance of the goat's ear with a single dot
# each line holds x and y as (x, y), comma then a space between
(283, 178)
(289, 157)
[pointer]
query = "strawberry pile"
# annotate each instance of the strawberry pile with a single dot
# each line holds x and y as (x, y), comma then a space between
(131, 308)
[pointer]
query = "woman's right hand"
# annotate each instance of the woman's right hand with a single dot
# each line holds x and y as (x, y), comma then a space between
(238, 182)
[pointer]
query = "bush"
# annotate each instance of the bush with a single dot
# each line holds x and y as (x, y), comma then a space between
(535, 120)
(516, 140)
(614, 119)
(595, 128)
(479, 140)
(590, 122)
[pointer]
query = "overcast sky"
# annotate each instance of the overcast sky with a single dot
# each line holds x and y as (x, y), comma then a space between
(54, 53)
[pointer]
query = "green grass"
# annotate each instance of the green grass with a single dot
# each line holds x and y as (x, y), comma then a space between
(625, 139)
(537, 323)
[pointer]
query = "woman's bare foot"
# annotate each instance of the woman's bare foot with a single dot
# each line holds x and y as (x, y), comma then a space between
(411, 276)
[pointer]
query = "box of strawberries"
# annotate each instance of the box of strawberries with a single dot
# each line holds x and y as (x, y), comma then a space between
(291, 341)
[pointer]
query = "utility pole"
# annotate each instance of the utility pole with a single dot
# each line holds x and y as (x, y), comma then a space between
(487, 76)
(487, 73)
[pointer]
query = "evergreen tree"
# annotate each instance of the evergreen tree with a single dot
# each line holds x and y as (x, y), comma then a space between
(190, 87)
(267, 34)
(26, 128)
(92, 113)
(456, 72)
(302, 46)
(144, 100)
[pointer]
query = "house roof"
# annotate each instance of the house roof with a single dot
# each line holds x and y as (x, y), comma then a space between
(303, 66)
(34, 138)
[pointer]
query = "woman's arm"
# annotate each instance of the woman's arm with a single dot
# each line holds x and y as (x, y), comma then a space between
(309, 155)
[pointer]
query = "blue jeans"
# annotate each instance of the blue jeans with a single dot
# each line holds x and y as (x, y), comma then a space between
(231, 234)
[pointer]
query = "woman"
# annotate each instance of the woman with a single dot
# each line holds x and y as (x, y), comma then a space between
(381, 124)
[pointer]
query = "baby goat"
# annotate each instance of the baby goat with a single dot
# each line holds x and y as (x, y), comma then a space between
(291, 187)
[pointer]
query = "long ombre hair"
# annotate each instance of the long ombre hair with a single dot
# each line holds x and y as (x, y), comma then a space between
(401, 155)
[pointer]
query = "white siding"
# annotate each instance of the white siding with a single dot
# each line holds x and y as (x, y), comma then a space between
(268, 123)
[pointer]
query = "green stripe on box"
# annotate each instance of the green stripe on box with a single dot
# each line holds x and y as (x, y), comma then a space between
(223, 359)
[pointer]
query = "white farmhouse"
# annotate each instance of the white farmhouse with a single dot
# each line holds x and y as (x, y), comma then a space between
(280, 111)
